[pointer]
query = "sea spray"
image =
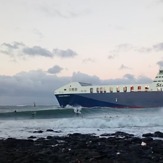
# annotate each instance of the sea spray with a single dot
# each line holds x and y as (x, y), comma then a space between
(91, 120)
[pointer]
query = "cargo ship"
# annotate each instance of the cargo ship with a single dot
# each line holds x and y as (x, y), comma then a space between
(118, 96)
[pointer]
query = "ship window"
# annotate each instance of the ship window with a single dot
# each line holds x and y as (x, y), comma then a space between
(101, 90)
(64, 89)
(97, 90)
(132, 88)
(91, 90)
(118, 89)
(146, 88)
(72, 89)
(104, 90)
(139, 88)
(111, 89)
(76, 89)
(161, 71)
(125, 89)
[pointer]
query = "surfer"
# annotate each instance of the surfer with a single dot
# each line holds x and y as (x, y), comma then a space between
(34, 104)
(33, 114)
(77, 111)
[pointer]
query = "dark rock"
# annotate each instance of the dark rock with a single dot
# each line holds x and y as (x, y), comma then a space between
(39, 131)
(40, 139)
(148, 135)
(147, 139)
(49, 130)
(122, 134)
(74, 148)
(59, 131)
(135, 140)
(106, 134)
(32, 137)
(158, 134)
(49, 137)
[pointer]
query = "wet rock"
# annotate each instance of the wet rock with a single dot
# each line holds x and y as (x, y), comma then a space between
(39, 131)
(147, 140)
(118, 148)
(49, 137)
(32, 137)
(58, 131)
(158, 134)
(106, 134)
(40, 139)
(122, 134)
(49, 130)
(148, 135)
(135, 140)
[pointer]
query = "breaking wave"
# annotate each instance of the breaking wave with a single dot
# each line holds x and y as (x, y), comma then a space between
(78, 119)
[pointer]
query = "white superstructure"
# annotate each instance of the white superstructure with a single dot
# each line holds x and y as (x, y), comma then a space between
(79, 87)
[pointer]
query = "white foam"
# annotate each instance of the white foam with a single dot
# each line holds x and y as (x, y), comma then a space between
(137, 124)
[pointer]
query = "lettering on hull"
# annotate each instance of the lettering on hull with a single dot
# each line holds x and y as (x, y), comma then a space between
(63, 95)
(159, 85)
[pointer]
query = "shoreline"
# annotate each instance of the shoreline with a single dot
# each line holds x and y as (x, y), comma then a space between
(118, 147)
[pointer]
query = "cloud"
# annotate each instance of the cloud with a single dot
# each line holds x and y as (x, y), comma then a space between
(158, 47)
(144, 50)
(55, 69)
(14, 45)
(125, 47)
(160, 64)
(128, 79)
(129, 47)
(122, 67)
(38, 33)
(27, 87)
(160, 1)
(18, 49)
(111, 56)
(37, 51)
(88, 60)
(64, 53)
(63, 10)
(120, 48)
(64, 14)
(10, 49)
(38, 86)
(81, 77)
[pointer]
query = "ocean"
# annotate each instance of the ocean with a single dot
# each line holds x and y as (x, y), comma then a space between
(24, 121)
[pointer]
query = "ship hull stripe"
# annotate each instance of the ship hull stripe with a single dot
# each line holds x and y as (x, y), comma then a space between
(118, 100)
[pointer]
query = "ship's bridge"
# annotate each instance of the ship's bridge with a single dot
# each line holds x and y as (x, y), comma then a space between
(158, 81)
(73, 87)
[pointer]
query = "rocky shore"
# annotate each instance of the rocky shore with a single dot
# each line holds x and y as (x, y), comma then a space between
(118, 147)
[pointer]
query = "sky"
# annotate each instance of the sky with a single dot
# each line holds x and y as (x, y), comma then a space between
(46, 44)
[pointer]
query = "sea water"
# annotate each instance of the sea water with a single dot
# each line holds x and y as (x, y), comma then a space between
(23, 121)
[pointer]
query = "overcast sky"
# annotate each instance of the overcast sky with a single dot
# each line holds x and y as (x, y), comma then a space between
(45, 44)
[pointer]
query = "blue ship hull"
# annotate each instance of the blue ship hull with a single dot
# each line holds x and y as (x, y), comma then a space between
(118, 100)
